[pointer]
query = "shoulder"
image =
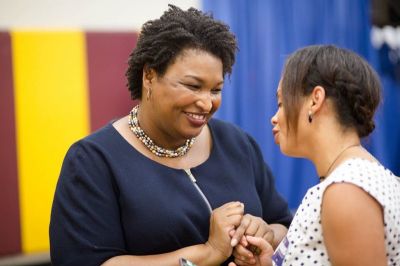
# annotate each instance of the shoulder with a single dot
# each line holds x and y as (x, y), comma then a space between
(366, 176)
(103, 145)
(102, 137)
(352, 187)
(345, 198)
(352, 220)
(90, 160)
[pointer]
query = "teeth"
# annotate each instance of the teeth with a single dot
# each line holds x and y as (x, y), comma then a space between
(195, 116)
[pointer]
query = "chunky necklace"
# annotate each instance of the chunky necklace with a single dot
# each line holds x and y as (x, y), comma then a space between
(321, 178)
(149, 143)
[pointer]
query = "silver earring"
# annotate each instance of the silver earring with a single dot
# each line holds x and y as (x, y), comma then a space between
(310, 116)
(148, 94)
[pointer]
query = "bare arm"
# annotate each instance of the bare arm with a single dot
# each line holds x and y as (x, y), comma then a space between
(352, 222)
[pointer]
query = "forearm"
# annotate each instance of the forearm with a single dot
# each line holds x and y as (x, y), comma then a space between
(280, 232)
(201, 255)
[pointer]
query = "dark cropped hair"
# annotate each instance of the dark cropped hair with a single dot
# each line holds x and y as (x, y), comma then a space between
(349, 81)
(162, 40)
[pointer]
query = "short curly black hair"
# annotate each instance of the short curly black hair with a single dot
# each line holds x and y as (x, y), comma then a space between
(162, 40)
(349, 81)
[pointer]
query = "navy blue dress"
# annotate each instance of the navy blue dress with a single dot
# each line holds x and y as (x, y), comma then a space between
(111, 200)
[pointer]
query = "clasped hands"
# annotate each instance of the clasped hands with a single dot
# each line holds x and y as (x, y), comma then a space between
(248, 238)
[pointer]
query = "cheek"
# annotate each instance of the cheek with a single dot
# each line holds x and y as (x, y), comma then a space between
(281, 121)
(216, 103)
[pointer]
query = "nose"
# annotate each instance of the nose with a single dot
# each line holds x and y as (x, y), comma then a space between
(274, 119)
(205, 101)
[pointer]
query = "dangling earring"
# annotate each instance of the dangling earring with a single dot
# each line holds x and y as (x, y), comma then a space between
(310, 116)
(148, 94)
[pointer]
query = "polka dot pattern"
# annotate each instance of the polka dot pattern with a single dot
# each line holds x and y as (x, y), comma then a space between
(304, 243)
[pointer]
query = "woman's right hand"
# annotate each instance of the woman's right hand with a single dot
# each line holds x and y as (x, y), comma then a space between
(266, 252)
(222, 221)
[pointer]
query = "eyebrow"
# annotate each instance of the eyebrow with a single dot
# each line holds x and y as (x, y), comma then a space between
(201, 80)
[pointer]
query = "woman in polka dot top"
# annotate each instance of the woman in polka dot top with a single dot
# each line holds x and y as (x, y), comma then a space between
(327, 98)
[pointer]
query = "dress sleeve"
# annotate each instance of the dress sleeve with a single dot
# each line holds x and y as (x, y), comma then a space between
(275, 208)
(85, 227)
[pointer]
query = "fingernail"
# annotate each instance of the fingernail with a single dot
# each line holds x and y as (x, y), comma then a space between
(234, 242)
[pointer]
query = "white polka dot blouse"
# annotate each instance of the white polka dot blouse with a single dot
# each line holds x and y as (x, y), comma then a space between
(304, 243)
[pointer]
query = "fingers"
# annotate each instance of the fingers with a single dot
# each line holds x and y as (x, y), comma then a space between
(222, 221)
(259, 228)
(241, 251)
(269, 236)
(234, 208)
(261, 243)
(243, 241)
(256, 227)
(240, 262)
(231, 205)
(240, 231)
(229, 214)
(245, 255)
(250, 225)
(230, 209)
(234, 220)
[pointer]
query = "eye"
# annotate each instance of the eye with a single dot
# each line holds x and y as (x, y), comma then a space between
(192, 86)
(279, 104)
(216, 91)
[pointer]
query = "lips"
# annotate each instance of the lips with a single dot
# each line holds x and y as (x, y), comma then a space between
(196, 120)
(197, 116)
(275, 132)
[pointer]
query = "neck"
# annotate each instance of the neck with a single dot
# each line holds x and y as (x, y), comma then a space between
(149, 143)
(330, 152)
(160, 137)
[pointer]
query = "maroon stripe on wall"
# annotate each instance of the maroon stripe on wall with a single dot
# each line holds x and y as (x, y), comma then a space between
(10, 237)
(107, 54)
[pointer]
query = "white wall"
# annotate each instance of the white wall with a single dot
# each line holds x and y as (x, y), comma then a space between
(84, 14)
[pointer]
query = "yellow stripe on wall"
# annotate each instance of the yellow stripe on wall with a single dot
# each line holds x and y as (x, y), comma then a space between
(51, 105)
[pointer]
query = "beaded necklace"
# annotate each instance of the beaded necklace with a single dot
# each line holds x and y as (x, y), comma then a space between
(149, 143)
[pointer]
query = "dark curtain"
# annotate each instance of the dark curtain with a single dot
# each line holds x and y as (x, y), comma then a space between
(267, 31)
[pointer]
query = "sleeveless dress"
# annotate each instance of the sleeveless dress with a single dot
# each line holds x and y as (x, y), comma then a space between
(304, 243)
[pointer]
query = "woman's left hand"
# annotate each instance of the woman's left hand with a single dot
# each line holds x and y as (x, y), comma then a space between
(250, 226)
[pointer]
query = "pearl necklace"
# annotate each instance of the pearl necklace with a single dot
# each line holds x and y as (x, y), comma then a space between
(149, 143)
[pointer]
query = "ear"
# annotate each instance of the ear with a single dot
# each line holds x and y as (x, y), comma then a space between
(149, 76)
(317, 98)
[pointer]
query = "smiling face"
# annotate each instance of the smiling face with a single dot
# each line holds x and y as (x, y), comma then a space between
(184, 98)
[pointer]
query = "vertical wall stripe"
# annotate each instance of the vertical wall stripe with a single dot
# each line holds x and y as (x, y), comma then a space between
(9, 206)
(107, 60)
(51, 109)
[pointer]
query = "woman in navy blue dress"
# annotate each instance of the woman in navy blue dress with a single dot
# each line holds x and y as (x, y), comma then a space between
(167, 181)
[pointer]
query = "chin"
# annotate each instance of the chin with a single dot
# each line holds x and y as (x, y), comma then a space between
(192, 133)
(291, 153)
(285, 150)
